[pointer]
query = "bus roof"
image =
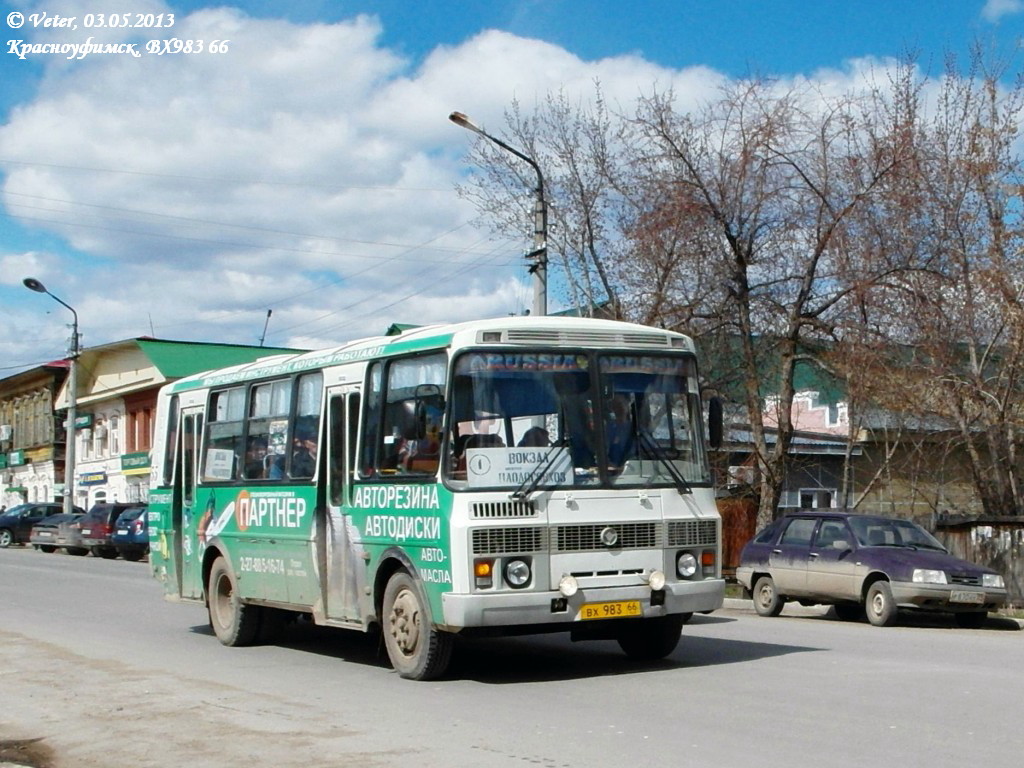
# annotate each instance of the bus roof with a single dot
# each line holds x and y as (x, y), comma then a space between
(535, 331)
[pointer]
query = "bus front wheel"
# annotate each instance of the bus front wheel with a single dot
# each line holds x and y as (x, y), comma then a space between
(234, 622)
(651, 639)
(416, 649)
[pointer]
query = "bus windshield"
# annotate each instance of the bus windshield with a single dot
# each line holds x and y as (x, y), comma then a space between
(549, 419)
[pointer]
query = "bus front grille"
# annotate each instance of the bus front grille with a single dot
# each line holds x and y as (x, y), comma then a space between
(507, 541)
(692, 533)
(588, 538)
(489, 510)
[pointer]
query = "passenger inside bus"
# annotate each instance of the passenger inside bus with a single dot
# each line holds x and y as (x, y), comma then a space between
(304, 452)
(255, 454)
(535, 437)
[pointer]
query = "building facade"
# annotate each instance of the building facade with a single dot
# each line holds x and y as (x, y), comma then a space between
(31, 436)
(115, 404)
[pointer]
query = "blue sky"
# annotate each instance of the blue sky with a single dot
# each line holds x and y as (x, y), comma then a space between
(310, 169)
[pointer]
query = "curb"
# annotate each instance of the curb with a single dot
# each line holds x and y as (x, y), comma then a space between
(795, 609)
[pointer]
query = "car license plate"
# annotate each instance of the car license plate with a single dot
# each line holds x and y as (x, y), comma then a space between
(975, 598)
(612, 610)
(86, 531)
(44, 534)
(122, 531)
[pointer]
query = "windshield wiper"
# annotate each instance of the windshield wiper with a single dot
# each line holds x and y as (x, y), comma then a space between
(533, 478)
(651, 448)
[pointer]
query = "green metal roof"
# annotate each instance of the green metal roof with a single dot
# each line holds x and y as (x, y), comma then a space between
(177, 359)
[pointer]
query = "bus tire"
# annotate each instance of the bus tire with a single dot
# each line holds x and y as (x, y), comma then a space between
(233, 622)
(651, 639)
(416, 649)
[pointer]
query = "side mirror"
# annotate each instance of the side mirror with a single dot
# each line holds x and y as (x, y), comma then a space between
(715, 422)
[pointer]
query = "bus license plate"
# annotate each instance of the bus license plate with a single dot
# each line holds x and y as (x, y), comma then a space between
(613, 610)
(975, 598)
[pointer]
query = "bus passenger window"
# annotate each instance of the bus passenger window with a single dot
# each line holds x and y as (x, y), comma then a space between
(224, 450)
(307, 426)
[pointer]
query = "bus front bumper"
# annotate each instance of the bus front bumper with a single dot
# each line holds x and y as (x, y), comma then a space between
(505, 609)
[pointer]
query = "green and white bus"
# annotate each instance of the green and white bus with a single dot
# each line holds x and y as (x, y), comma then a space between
(514, 475)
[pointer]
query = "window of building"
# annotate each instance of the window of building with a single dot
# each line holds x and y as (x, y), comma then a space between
(139, 432)
(114, 435)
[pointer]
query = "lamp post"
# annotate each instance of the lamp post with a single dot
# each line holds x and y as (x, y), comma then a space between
(539, 254)
(69, 449)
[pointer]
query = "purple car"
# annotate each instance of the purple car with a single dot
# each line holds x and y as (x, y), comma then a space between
(863, 564)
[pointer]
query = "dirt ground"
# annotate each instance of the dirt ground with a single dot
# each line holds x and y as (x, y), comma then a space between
(62, 710)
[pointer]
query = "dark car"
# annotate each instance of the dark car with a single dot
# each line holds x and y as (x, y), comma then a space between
(59, 531)
(16, 523)
(98, 526)
(131, 533)
(864, 564)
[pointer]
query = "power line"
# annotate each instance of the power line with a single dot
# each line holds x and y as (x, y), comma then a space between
(216, 179)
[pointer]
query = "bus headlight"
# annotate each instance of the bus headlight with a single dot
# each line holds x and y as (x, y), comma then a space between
(517, 573)
(686, 565)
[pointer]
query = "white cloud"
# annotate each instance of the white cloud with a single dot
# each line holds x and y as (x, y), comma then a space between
(995, 10)
(309, 169)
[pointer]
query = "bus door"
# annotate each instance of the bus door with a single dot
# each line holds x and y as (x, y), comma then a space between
(343, 575)
(184, 516)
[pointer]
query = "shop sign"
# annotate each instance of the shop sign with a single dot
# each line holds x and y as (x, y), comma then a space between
(92, 478)
(83, 421)
(16, 458)
(135, 463)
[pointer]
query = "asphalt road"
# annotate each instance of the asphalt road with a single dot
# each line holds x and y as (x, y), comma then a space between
(97, 670)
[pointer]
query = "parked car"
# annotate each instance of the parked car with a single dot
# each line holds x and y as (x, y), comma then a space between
(864, 564)
(98, 526)
(16, 523)
(131, 533)
(57, 531)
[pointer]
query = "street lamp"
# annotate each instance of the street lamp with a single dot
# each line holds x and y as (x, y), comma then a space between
(69, 450)
(540, 217)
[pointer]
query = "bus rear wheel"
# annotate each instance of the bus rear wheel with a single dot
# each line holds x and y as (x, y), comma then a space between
(416, 649)
(234, 622)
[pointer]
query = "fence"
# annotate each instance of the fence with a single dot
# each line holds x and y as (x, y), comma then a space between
(997, 543)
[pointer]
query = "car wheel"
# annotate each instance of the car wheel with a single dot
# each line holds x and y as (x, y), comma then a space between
(651, 639)
(107, 553)
(849, 611)
(880, 606)
(767, 601)
(972, 620)
(416, 649)
(78, 551)
(48, 549)
(6, 538)
(131, 555)
(234, 622)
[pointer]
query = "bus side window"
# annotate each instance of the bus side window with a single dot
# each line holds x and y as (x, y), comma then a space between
(306, 434)
(224, 450)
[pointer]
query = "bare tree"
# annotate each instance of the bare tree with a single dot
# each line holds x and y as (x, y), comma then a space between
(777, 223)
(954, 330)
